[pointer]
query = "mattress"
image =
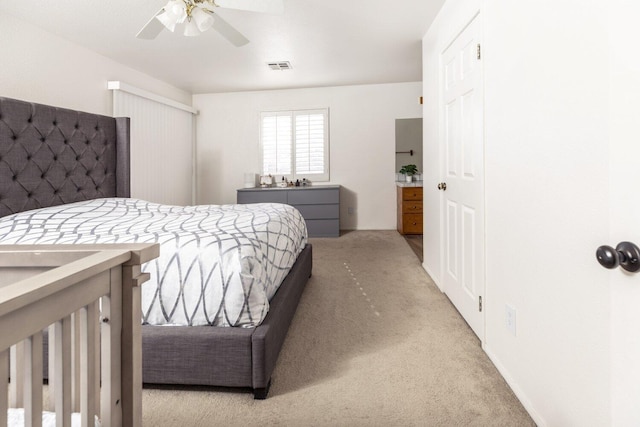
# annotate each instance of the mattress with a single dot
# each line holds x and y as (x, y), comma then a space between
(219, 265)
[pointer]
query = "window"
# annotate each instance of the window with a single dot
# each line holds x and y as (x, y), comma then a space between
(295, 144)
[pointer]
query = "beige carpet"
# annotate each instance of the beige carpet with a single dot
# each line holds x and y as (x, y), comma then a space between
(373, 343)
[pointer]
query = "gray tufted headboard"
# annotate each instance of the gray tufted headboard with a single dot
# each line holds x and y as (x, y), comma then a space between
(51, 156)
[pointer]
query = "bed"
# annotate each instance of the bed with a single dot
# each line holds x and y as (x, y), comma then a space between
(59, 158)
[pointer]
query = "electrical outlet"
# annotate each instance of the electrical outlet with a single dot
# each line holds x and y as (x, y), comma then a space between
(510, 319)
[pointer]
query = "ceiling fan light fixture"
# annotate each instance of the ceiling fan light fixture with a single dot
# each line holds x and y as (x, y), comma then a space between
(203, 20)
(178, 8)
(197, 15)
(174, 13)
(168, 20)
(191, 28)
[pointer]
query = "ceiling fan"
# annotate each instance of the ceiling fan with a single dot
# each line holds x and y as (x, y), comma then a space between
(199, 15)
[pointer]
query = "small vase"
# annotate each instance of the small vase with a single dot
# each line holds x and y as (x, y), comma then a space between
(409, 178)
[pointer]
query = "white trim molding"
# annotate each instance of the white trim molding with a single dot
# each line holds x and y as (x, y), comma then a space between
(118, 85)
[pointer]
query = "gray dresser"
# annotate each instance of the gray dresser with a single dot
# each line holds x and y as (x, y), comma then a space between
(318, 204)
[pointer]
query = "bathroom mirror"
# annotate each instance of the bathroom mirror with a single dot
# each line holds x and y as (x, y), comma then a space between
(409, 143)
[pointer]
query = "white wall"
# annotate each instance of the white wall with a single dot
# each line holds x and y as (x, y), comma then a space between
(547, 181)
(362, 143)
(38, 66)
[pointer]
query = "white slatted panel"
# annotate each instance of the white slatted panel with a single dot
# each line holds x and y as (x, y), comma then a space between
(310, 143)
(276, 143)
(161, 149)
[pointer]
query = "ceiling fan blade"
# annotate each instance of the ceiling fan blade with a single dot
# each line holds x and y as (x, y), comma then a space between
(152, 28)
(275, 7)
(228, 32)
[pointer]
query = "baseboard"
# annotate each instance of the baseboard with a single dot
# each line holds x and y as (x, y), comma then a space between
(517, 390)
(433, 277)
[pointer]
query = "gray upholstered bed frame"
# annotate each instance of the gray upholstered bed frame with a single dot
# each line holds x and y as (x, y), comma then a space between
(51, 156)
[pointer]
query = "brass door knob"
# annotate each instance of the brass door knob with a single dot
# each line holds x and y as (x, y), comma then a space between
(442, 186)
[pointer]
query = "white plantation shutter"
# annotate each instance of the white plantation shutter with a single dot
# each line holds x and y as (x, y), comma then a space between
(310, 143)
(277, 144)
(295, 144)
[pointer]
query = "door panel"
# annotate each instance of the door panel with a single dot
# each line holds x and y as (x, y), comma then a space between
(468, 256)
(463, 200)
(452, 117)
(468, 136)
(452, 239)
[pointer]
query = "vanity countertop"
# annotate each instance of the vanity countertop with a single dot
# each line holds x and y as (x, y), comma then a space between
(409, 184)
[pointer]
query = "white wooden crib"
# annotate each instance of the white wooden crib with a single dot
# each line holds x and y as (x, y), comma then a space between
(88, 298)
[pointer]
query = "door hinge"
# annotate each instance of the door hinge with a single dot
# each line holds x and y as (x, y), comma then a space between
(480, 303)
(478, 55)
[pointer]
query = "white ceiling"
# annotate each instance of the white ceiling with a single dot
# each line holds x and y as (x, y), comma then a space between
(328, 42)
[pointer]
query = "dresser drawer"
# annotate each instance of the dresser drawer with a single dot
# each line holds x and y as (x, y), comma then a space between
(313, 196)
(323, 227)
(412, 223)
(412, 206)
(262, 196)
(412, 193)
(319, 211)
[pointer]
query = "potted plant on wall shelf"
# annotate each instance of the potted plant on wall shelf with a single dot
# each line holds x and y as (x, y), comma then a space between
(409, 171)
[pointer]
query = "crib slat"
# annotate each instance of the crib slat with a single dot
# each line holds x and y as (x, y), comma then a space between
(111, 407)
(16, 388)
(88, 330)
(33, 381)
(96, 352)
(60, 371)
(4, 384)
(75, 362)
(51, 331)
(131, 346)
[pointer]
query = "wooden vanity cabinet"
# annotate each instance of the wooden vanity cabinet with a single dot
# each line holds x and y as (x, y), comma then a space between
(410, 210)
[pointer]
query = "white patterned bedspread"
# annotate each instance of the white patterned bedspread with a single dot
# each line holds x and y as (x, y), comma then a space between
(219, 264)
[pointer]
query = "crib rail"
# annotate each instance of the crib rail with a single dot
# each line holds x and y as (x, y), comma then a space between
(88, 297)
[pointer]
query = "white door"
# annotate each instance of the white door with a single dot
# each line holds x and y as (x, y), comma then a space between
(624, 166)
(462, 200)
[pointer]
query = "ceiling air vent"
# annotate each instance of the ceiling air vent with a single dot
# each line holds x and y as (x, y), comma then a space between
(279, 66)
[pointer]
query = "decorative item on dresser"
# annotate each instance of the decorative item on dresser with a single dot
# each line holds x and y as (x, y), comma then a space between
(318, 204)
(410, 210)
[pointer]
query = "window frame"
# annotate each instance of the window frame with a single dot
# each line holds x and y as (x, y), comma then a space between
(314, 177)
